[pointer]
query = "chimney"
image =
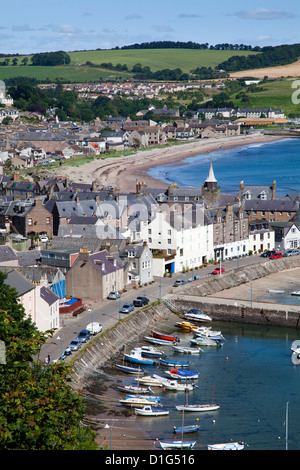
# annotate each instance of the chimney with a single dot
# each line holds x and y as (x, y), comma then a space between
(274, 190)
(241, 185)
(16, 176)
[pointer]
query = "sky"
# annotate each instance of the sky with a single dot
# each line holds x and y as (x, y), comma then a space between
(30, 26)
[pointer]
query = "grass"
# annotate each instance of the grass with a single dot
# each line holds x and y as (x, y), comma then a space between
(276, 94)
(156, 59)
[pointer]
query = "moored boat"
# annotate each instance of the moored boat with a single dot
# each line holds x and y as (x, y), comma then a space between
(149, 351)
(150, 381)
(137, 402)
(227, 446)
(181, 374)
(137, 358)
(296, 292)
(158, 341)
(175, 385)
(165, 336)
(128, 369)
(177, 444)
(198, 408)
(133, 389)
(185, 325)
(199, 316)
(170, 363)
(186, 429)
(149, 410)
(203, 341)
(187, 350)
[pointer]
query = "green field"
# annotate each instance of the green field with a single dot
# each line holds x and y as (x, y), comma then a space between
(156, 59)
(276, 94)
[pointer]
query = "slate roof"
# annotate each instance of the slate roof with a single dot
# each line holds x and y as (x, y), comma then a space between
(97, 260)
(48, 295)
(19, 282)
(7, 254)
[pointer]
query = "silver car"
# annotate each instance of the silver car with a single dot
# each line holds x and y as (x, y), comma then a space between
(291, 252)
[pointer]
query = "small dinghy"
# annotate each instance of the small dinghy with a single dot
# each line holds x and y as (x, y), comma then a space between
(227, 446)
(177, 444)
(181, 374)
(151, 411)
(186, 429)
(170, 363)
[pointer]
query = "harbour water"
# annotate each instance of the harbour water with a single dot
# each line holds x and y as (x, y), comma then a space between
(255, 164)
(251, 377)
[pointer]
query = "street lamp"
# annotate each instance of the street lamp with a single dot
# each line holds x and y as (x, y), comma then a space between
(109, 427)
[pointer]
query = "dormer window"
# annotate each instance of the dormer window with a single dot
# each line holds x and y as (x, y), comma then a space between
(263, 195)
(248, 195)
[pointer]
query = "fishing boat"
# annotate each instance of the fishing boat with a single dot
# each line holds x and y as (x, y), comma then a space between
(177, 444)
(149, 351)
(158, 341)
(149, 410)
(181, 374)
(136, 357)
(170, 363)
(227, 446)
(166, 337)
(185, 325)
(175, 385)
(199, 316)
(150, 381)
(186, 429)
(133, 389)
(128, 369)
(187, 350)
(137, 402)
(197, 408)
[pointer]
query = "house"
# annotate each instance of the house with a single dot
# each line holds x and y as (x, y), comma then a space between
(32, 218)
(257, 192)
(93, 276)
(139, 258)
(274, 210)
(261, 236)
(47, 308)
(25, 291)
(147, 136)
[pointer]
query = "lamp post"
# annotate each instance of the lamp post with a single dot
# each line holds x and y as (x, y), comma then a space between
(109, 427)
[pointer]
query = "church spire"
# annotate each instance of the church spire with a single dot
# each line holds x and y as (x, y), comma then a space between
(211, 177)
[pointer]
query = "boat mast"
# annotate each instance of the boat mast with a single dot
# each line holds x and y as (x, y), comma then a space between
(286, 425)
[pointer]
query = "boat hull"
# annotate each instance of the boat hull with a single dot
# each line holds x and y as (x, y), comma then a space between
(151, 411)
(227, 446)
(197, 408)
(177, 444)
(187, 429)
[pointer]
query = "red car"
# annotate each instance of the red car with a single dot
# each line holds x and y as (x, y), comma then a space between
(218, 270)
(278, 254)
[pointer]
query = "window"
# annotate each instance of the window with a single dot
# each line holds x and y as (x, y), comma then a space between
(169, 241)
(29, 221)
(47, 220)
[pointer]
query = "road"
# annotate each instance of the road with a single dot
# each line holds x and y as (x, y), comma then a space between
(107, 313)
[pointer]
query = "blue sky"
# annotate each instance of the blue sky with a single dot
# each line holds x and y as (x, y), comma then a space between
(28, 26)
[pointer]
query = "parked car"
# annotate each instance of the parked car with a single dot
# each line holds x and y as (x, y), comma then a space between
(84, 336)
(267, 254)
(114, 295)
(75, 344)
(179, 282)
(127, 308)
(94, 328)
(275, 255)
(291, 252)
(140, 301)
(44, 238)
(218, 270)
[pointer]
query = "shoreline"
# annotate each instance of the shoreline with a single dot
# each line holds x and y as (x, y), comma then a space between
(124, 172)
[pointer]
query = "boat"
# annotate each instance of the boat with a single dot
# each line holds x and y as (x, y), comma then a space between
(136, 357)
(150, 381)
(197, 316)
(274, 291)
(227, 446)
(164, 336)
(187, 350)
(197, 408)
(133, 389)
(214, 335)
(159, 341)
(146, 397)
(203, 341)
(181, 374)
(204, 330)
(185, 325)
(128, 369)
(170, 363)
(295, 292)
(138, 402)
(177, 444)
(149, 410)
(149, 351)
(175, 385)
(186, 429)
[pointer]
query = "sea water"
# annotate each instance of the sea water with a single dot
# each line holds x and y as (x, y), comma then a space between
(255, 164)
(251, 377)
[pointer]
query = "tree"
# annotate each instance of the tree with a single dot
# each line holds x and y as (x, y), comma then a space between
(38, 408)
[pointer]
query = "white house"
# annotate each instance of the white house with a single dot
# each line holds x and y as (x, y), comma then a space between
(179, 241)
(287, 235)
(47, 308)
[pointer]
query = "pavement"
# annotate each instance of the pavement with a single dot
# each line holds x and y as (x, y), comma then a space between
(106, 312)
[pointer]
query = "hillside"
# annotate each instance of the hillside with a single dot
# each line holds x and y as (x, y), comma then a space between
(289, 70)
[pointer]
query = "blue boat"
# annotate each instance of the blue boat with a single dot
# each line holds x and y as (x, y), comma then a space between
(168, 362)
(186, 429)
(137, 358)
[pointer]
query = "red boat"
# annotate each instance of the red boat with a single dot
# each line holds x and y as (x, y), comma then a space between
(164, 336)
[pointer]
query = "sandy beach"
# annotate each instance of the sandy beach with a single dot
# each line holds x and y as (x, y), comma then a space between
(123, 172)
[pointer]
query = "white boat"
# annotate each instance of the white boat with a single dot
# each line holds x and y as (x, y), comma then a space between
(138, 402)
(160, 341)
(275, 291)
(149, 351)
(203, 341)
(137, 358)
(149, 410)
(203, 330)
(177, 444)
(191, 408)
(150, 381)
(197, 317)
(227, 446)
(187, 350)
(175, 385)
(295, 292)
(133, 389)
